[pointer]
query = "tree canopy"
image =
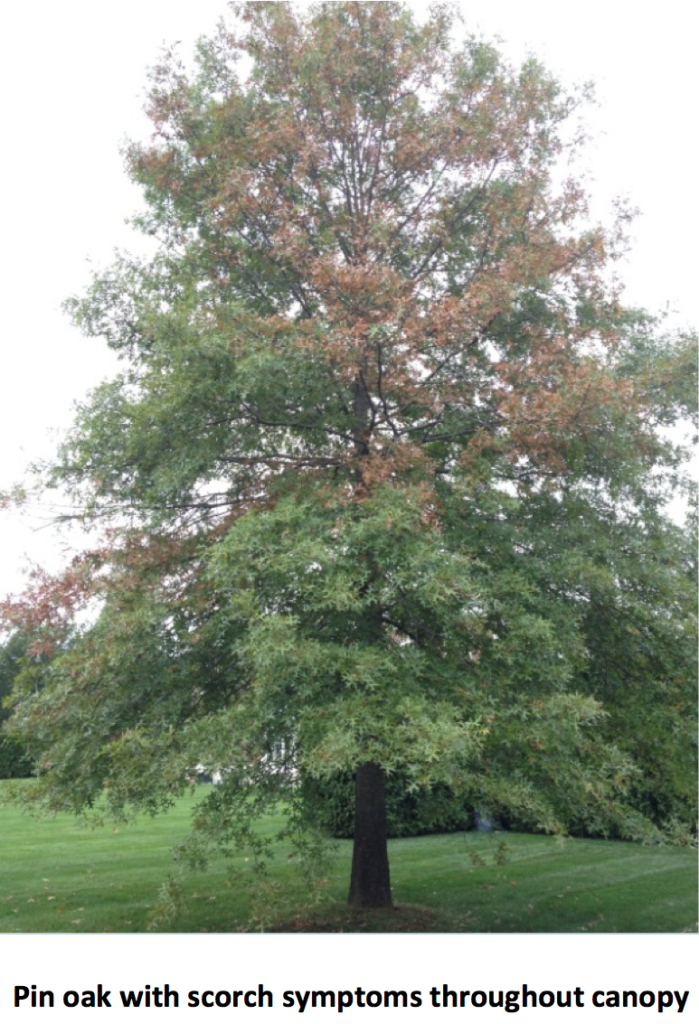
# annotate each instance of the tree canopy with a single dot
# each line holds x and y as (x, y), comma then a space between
(14, 673)
(381, 486)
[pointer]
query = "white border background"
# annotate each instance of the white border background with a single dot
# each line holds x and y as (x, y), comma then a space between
(72, 76)
(301, 962)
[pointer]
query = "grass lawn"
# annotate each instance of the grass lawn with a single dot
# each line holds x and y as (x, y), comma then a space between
(57, 877)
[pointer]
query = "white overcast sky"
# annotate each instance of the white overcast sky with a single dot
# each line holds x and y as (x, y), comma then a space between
(72, 85)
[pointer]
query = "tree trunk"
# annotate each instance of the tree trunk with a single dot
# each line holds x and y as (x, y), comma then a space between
(370, 884)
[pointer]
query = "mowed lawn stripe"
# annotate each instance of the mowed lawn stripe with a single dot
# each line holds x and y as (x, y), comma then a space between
(55, 876)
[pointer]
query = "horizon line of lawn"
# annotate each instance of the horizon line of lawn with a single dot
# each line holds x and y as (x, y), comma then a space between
(59, 877)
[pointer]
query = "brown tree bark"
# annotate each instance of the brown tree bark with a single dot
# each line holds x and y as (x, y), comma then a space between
(370, 884)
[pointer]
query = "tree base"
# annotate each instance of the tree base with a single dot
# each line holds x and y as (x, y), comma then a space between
(370, 883)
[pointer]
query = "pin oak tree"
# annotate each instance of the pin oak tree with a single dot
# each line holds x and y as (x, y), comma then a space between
(379, 488)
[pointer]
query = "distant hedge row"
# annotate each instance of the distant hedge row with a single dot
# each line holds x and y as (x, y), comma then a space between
(408, 814)
(14, 762)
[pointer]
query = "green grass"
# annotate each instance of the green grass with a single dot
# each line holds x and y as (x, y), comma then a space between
(57, 877)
